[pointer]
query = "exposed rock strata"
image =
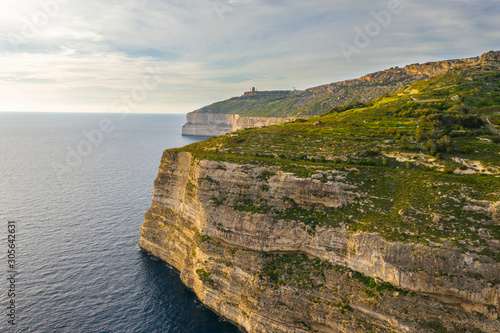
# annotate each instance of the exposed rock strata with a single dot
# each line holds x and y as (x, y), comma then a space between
(495, 212)
(225, 255)
(209, 124)
(222, 117)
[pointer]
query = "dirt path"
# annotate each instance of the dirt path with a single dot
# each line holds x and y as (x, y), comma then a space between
(423, 100)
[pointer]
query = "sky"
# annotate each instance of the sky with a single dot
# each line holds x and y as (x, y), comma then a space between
(175, 56)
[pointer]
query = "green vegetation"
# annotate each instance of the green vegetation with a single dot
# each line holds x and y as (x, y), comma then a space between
(313, 101)
(190, 189)
(313, 217)
(264, 177)
(217, 202)
(294, 270)
(418, 158)
(248, 205)
(202, 238)
(299, 271)
(435, 326)
(204, 276)
(374, 287)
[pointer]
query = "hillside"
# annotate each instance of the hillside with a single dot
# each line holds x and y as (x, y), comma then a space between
(319, 100)
(263, 108)
(378, 216)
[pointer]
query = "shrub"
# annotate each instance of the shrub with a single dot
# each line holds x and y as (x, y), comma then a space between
(448, 170)
(421, 135)
(264, 177)
(217, 202)
(435, 326)
(444, 143)
(472, 122)
(373, 152)
(431, 147)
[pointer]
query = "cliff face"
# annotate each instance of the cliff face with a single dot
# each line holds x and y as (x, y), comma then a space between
(209, 124)
(263, 108)
(380, 217)
(398, 77)
(222, 226)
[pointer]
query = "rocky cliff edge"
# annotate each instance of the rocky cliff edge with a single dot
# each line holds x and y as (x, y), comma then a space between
(269, 274)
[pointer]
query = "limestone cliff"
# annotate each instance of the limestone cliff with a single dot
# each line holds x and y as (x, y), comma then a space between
(375, 217)
(209, 124)
(263, 108)
(222, 226)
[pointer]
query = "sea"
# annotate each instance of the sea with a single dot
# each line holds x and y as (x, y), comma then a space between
(73, 192)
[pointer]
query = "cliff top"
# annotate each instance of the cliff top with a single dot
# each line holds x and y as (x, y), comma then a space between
(319, 100)
(382, 215)
(423, 153)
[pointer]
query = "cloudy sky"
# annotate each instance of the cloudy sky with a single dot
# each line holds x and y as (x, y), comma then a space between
(174, 56)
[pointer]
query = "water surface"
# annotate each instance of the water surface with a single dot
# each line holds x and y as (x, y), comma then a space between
(77, 226)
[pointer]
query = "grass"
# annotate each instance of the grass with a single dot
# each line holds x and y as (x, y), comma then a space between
(294, 270)
(314, 101)
(404, 201)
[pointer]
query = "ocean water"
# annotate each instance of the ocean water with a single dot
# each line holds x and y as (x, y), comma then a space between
(78, 201)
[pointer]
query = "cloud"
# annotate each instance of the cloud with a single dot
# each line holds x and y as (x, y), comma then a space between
(55, 54)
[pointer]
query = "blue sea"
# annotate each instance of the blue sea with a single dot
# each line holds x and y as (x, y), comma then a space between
(76, 187)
